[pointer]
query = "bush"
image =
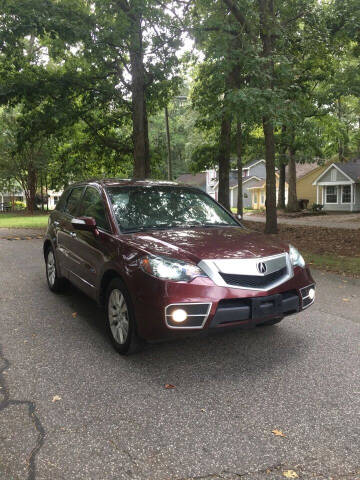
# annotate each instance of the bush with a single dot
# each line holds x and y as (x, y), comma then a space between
(18, 206)
(317, 207)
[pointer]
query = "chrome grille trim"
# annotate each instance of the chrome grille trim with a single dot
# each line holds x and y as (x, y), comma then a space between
(248, 266)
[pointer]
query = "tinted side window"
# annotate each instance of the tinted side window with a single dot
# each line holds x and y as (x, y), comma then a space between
(73, 200)
(62, 202)
(92, 205)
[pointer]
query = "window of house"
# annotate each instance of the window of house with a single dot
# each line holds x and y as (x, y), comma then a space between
(262, 198)
(245, 195)
(333, 175)
(255, 197)
(245, 173)
(346, 194)
(331, 194)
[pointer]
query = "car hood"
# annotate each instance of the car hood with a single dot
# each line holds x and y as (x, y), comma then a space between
(200, 243)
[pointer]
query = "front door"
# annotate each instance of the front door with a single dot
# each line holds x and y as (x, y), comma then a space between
(66, 233)
(93, 250)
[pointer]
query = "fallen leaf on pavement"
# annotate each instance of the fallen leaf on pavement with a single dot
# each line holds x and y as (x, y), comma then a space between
(278, 433)
(346, 299)
(56, 398)
(168, 386)
(203, 410)
(74, 314)
(290, 474)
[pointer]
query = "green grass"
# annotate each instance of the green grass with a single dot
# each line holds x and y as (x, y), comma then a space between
(19, 220)
(333, 263)
(234, 210)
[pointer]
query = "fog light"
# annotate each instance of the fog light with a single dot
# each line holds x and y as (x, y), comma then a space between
(312, 293)
(179, 315)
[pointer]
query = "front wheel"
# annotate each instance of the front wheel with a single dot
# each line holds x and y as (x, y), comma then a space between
(55, 283)
(120, 319)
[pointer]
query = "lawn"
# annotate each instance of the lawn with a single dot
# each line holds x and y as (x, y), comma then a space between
(21, 220)
(330, 249)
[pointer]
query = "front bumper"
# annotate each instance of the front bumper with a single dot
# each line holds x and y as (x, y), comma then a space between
(211, 307)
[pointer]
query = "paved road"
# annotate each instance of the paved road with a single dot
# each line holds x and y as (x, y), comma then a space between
(115, 419)
(350, 221)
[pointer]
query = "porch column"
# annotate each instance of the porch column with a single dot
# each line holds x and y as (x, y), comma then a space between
(352, 197)
(317, 194)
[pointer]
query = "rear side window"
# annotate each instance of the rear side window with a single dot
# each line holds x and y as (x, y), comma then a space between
(92, 205)
(73, 200)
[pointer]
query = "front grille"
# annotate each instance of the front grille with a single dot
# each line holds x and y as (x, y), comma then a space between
(254, 281)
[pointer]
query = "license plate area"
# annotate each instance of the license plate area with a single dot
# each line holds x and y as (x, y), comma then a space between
(266, 306)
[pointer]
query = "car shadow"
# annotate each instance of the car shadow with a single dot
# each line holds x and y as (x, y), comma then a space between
(226, 354)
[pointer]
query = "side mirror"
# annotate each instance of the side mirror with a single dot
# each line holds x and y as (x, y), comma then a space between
(87, 224)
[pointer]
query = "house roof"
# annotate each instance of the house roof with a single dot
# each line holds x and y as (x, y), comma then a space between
(247, 179)
(302, 169)
(351, 169)
(259, 184)
(196, 180)
(251, 163)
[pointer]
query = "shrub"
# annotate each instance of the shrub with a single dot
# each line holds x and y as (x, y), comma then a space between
(19, 205)
(317, 207)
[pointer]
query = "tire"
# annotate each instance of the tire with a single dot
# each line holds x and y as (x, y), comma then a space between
(120, 319)
(55, 283)
(269, 323)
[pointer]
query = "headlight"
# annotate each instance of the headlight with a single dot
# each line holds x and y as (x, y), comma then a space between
(295, 257)
(170, 269)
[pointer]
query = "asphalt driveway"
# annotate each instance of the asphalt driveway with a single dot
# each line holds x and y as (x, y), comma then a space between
(71, 408)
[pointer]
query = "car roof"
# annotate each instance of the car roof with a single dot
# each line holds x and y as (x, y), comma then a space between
(117, 182)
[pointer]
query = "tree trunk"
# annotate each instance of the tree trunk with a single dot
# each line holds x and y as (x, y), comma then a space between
(282, 172)
(266, 10)
(224, 160)
(30, 190)
(282, 181)
(292, 199)
(341, 149)
(47, 194)
(168, 143)
(42, 191)
(239, 149)
(271, 214)
(139, 113)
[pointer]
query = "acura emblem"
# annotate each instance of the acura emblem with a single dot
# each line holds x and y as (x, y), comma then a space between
(261, 267)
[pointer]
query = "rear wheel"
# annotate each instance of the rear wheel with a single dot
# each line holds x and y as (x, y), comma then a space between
(120, 319)
(55, 283)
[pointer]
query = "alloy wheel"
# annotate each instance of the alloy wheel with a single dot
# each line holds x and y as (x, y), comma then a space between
(51, 268)
(118, 316)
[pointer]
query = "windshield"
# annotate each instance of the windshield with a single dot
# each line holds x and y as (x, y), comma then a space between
(140, 208)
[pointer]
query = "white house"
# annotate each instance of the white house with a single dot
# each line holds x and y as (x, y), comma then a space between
(338, 187)
(54, 197)
(254, 177)
(206, 181)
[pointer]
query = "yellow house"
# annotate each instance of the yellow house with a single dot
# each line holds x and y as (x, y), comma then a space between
(304, 184)
(258, 193)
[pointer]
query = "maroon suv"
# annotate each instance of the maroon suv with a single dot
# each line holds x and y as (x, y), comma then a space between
(166, 259)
